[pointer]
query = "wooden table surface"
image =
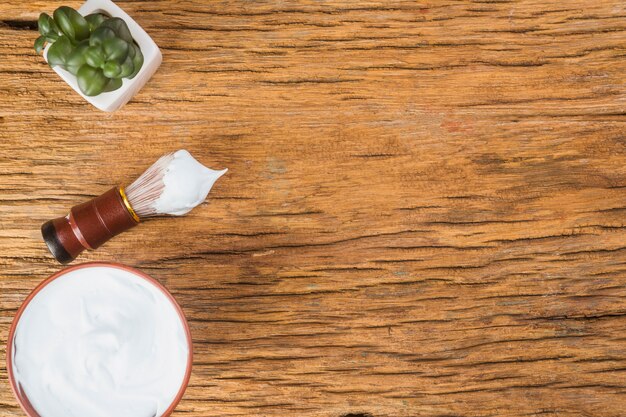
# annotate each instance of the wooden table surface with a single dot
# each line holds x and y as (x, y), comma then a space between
(424, 213)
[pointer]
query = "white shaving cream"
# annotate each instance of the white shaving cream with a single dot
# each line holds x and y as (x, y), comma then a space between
(100, 342)
(187, 184)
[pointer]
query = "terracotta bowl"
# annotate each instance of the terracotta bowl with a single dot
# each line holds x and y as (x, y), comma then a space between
(21, 397)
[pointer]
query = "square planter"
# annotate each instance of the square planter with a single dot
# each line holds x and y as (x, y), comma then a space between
(113, 100)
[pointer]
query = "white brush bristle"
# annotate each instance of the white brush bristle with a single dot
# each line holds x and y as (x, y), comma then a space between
(146, 190)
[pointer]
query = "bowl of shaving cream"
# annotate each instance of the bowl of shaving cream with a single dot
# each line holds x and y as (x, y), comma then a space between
(99, 340)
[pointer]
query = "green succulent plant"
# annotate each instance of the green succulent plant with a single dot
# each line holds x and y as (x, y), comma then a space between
(99, 50)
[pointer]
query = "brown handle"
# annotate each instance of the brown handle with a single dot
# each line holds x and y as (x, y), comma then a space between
(87, 226)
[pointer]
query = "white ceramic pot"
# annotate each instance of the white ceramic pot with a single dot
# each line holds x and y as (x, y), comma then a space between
(113, 100)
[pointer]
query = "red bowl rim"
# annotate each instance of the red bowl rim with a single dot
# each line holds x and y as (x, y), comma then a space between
(27, 408)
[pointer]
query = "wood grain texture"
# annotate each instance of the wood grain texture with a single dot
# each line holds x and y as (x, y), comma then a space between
(424, 213)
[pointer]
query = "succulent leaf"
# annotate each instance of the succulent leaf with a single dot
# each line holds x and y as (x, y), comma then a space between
(115, 49)
(119, 27)
(100, 35)
(71, 23)
(65, 24)
(94, 56)
(46, 25)
(52, 37)
(77, 58)
(137, 60)
(131, 49)
(91, 80)
(112, 69)
(63, 21)
(114, 84)
(94, 20)
(40, 43)
(59, 52)
(127, 68)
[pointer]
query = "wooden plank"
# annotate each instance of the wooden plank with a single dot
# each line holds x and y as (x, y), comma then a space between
(424, 213)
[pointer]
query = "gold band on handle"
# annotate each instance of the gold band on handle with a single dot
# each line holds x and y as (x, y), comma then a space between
(128, 206)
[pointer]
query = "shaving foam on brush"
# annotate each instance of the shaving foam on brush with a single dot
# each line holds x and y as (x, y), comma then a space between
(173, 185)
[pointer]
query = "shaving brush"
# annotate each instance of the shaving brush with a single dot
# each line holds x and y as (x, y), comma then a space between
(173, 185)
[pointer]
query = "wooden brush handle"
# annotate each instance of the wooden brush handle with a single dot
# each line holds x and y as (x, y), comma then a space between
(88, 225)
